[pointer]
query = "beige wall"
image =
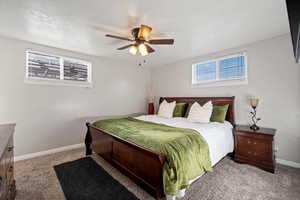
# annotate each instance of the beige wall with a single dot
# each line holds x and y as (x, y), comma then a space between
(273, 75)
(51, 116)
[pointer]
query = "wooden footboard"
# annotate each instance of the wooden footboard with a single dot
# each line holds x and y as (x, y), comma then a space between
(141, 165)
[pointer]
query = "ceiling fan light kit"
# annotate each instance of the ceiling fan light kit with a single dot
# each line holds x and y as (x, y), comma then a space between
(143, 49)
(141, 35)
(133, 49)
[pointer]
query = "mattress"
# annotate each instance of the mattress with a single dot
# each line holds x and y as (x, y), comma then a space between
(218, 136)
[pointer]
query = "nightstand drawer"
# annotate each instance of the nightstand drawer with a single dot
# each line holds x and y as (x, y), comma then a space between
(254, 149)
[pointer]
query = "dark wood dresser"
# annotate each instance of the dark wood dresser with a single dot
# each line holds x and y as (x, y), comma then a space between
(7, 182)
(255, 147)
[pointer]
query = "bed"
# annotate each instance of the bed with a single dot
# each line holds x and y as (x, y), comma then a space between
(144, 166)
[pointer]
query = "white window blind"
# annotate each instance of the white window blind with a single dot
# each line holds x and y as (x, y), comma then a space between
(44, 68)
(75, 70)
(205, 71)
(227, 68)
(232, 68)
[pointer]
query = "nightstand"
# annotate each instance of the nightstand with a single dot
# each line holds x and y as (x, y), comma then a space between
(255, 147)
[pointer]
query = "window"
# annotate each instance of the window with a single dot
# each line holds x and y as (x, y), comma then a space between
(50, 69)
(231, 69)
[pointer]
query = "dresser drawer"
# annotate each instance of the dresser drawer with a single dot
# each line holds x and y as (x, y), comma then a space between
(3, 186)
(8, 157)
(10, 174)
(7, 188)
(10, 161)
(11, 191)
(255, 149)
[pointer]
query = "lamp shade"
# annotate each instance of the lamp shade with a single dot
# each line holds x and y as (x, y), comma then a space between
(254, 102)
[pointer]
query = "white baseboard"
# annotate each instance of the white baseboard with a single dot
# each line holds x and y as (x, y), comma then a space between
(76, 146)
(288, 163)
(47, 152)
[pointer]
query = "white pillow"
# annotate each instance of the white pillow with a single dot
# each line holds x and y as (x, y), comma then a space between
(166, 109)
(200, 113)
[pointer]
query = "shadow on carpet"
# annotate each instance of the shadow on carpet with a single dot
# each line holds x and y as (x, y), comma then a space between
(84, 179)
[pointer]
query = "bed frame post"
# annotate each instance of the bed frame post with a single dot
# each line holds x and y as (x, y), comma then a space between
(88, 141)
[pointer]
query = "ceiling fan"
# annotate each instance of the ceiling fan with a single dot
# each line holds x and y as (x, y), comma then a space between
(140, 42)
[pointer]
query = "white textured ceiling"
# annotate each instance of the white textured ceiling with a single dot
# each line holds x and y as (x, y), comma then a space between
(198, 26)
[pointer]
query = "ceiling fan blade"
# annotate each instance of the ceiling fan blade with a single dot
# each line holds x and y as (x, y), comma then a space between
(124, 47)
(119, 37)
(149, 49)
(161, 41)
(145, 32)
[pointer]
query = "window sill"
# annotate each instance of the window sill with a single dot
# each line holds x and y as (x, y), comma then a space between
(57, 83)
(221, 83)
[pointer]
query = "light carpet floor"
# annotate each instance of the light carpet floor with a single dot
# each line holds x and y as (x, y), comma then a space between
(36, 180)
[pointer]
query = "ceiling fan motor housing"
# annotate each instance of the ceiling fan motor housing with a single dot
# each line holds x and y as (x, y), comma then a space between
(135, 33)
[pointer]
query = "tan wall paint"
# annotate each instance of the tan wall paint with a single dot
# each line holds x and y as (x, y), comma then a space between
(48, 117)
(273, 75)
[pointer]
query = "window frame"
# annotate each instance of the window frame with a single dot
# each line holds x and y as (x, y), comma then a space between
(61, 81)
(218, 81)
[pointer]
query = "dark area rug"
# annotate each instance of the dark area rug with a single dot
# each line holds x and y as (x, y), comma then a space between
(84, 179)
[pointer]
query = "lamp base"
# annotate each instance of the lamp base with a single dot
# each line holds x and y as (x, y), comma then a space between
(254, 127)
(150, 108)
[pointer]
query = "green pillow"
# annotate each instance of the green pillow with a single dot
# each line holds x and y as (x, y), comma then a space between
(179, 110)
(219, 113)
(188, 110)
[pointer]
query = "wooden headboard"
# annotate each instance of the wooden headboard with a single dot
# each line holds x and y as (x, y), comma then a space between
(202, 100)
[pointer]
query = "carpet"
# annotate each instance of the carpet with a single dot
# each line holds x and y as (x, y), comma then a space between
(84, 179)
(36, 180)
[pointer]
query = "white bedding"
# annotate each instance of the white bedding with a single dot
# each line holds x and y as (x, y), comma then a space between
(217, 135)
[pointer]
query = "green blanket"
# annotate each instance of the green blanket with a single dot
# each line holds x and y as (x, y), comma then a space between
(186, 150)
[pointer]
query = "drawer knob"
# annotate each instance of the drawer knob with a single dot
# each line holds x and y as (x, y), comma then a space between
(249, 152)
(254, 142)
(11, 168)
(254, 153)
(249, 142)
(10, 148)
